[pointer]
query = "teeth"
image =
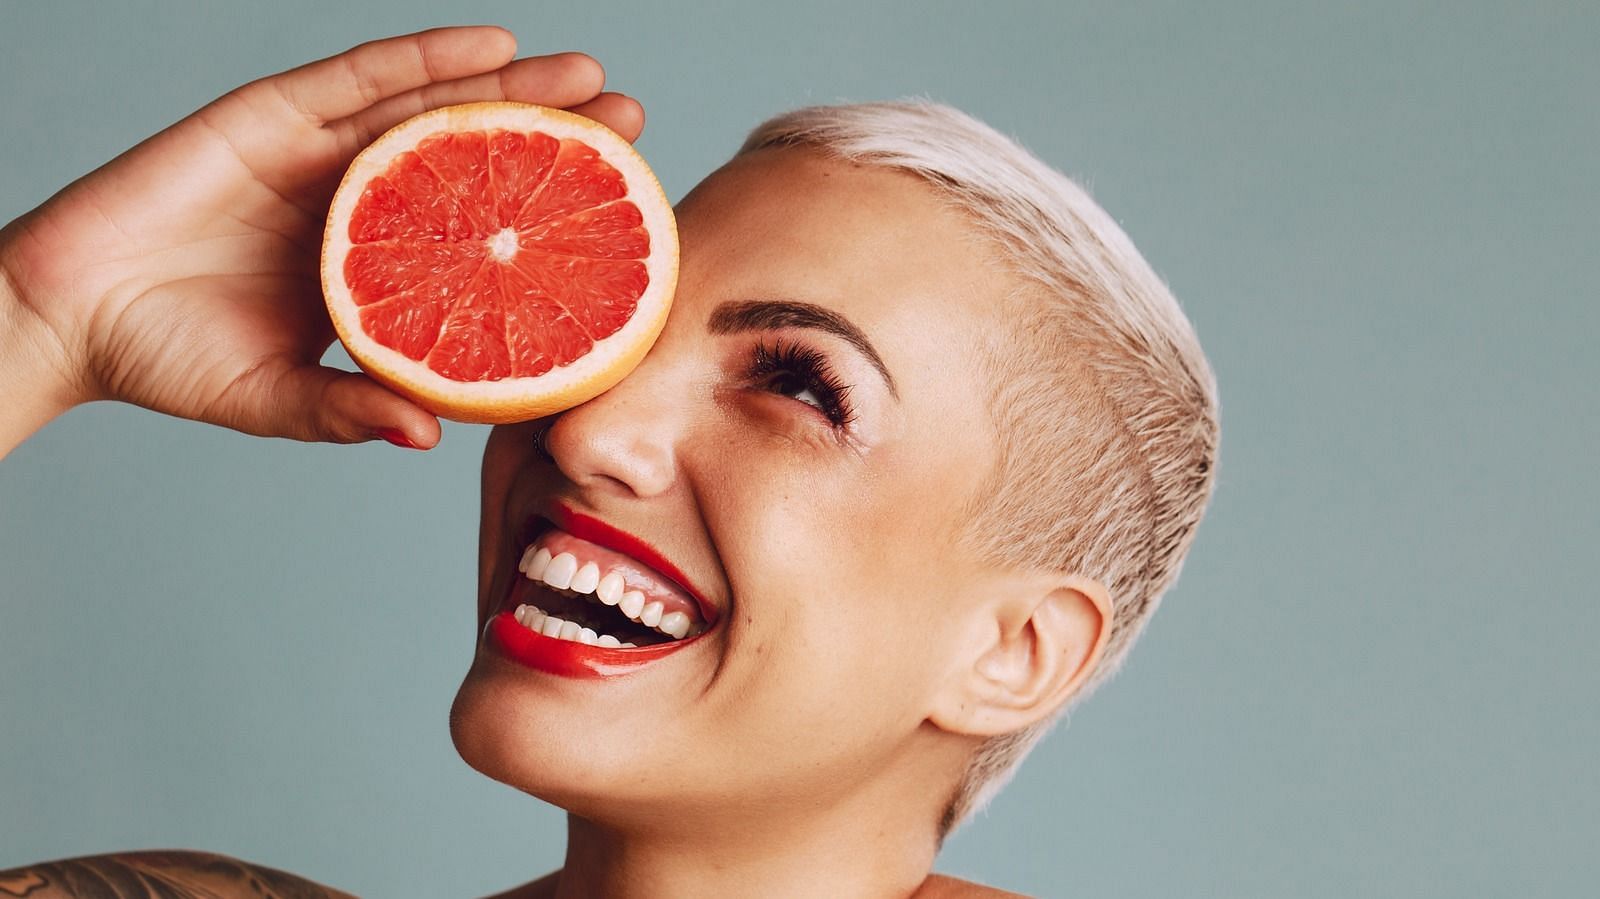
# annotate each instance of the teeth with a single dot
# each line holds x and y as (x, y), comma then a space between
(564, 572)
(535, 564)
(534, 619)
(610, 589)
(530, 617)
(674, 624)
(651, 616)
(561, 570)
(587, 578)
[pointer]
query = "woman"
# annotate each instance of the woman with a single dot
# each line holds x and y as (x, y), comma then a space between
(922, 444)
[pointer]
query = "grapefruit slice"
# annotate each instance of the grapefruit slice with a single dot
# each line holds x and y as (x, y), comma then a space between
(497, 262)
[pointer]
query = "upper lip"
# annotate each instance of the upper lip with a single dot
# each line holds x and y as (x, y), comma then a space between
(602, 533)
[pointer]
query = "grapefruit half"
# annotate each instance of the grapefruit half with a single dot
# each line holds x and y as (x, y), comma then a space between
(497, 262)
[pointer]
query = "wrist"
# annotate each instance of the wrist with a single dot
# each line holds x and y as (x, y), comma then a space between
(34, 370)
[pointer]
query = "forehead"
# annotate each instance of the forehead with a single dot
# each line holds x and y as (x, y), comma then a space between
(875, 244)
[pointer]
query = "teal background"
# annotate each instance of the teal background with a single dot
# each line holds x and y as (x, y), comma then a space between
(1376, 677)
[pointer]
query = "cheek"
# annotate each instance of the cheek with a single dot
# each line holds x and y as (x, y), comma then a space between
(504, 453)
(830, 678)
(836, 600)
(503, 456)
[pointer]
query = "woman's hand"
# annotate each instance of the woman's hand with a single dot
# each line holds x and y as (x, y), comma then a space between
(184, 275)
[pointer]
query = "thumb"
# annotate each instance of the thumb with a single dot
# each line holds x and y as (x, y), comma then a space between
(318, 403)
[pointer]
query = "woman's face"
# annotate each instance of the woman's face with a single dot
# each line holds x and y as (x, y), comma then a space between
(799, 445)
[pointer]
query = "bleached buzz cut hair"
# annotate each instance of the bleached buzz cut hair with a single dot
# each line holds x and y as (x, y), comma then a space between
(1104, 406)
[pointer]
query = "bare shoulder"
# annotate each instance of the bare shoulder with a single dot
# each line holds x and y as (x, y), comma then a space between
(165, 874)
(939, 886)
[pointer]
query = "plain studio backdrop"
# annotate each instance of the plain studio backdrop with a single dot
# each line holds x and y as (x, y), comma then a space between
(1376, 676)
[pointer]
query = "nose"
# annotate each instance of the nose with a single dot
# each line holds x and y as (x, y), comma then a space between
(623, 440)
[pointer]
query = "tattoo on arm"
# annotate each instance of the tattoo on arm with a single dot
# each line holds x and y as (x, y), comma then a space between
(158, 875)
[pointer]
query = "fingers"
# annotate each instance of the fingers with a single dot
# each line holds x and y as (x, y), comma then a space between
(327, 404)
(619, 112)
(561, 80)
(345, 84)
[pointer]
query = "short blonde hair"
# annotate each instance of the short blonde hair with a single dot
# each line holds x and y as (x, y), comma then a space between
(1105, 407)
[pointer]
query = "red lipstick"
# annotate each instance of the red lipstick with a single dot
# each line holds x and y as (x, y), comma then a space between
(567, 658)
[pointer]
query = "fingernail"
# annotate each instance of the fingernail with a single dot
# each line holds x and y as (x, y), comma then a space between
(396, 437)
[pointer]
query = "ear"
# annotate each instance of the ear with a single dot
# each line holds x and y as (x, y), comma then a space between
(1032, 652)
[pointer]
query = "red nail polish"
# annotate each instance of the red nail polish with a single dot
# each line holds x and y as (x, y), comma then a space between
(396, 437)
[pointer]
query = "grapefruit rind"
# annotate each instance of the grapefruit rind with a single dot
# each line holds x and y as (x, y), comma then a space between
(508, 399)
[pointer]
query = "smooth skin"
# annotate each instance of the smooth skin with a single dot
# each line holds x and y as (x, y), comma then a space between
(808, 744)
(182, 277)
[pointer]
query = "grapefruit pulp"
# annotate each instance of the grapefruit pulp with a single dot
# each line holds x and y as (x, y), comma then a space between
(497, 262)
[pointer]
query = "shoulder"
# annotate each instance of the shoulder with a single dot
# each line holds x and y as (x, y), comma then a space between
(939, 886)
(175, 874)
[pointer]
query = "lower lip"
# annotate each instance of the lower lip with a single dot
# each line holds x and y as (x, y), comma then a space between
(568, 658)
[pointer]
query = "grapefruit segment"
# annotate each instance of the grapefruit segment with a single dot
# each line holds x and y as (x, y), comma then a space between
(460, 164)
(472, 343)
(613, 231)
(415, 323)
(599, 293)
(579, 180)
(519, 164)
(379, 270)
(542, 325)
(499, 261)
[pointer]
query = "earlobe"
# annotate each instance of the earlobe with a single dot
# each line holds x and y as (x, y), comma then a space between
(1038, 651)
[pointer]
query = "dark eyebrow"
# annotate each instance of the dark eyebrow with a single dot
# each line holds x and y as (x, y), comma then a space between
(733, 317)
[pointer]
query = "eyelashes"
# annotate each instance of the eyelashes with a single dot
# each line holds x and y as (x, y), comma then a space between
(796, 371)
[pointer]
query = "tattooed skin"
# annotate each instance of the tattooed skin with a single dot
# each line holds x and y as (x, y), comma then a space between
(158, 875)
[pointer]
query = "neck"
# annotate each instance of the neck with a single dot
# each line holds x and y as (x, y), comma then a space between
(865, 847)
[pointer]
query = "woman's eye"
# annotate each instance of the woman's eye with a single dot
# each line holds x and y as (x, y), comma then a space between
(796, 388)
(802, 374)
(806, 396)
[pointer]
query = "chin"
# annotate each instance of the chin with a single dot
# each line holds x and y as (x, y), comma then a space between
(541, 739)
(538, 744)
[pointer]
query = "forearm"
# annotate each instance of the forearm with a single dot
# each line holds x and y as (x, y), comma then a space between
(35, 386)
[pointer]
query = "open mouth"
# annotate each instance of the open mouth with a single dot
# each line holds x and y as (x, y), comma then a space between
(583, 602)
